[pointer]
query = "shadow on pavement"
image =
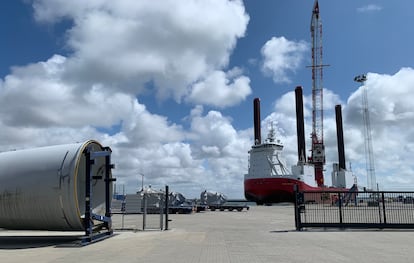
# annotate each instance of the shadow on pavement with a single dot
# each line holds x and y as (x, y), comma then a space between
(24, 242)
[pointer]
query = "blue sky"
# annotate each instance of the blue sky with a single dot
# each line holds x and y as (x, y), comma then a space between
(169, 86)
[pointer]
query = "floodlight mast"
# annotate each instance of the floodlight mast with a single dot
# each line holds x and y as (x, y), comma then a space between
(369, 153)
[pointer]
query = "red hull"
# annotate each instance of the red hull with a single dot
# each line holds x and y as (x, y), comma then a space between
(273, 190)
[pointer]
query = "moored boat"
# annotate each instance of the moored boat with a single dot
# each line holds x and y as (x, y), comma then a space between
(269, 180)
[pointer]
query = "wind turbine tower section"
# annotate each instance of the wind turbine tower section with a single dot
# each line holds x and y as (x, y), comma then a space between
(317, 157)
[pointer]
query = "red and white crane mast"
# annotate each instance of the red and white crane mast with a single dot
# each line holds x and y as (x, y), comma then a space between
(318, 148)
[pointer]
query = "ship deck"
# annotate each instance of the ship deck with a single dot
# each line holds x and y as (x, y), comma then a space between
(262, 234)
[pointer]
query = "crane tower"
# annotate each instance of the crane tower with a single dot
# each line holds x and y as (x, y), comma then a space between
(317, 157)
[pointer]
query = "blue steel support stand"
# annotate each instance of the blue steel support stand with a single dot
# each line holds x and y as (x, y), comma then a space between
(93, 235)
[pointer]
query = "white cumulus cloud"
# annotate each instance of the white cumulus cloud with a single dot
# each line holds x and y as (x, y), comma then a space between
(282, 56)
(221, 89)
(128, 43)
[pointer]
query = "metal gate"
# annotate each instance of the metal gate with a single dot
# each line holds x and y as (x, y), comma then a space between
(142, 211)
(153, 211)
(354, 209)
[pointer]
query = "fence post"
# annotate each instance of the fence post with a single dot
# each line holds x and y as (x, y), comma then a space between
(377, 199)
(161, 206)
(296, 207)
(144, 214)
(166, 206)
(340, 207)
(383, 207)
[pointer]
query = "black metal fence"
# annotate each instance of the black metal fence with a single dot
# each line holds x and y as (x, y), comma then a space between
(354, 209)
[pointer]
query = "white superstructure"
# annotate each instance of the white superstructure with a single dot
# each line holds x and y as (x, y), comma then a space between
(265, 161)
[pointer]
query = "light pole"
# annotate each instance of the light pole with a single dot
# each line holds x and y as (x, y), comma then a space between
(369, 153)
(142, 181)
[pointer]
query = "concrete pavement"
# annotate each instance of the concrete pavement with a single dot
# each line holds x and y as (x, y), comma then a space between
(262, 234)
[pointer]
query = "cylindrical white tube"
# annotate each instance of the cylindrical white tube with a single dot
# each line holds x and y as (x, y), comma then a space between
(44, 188)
